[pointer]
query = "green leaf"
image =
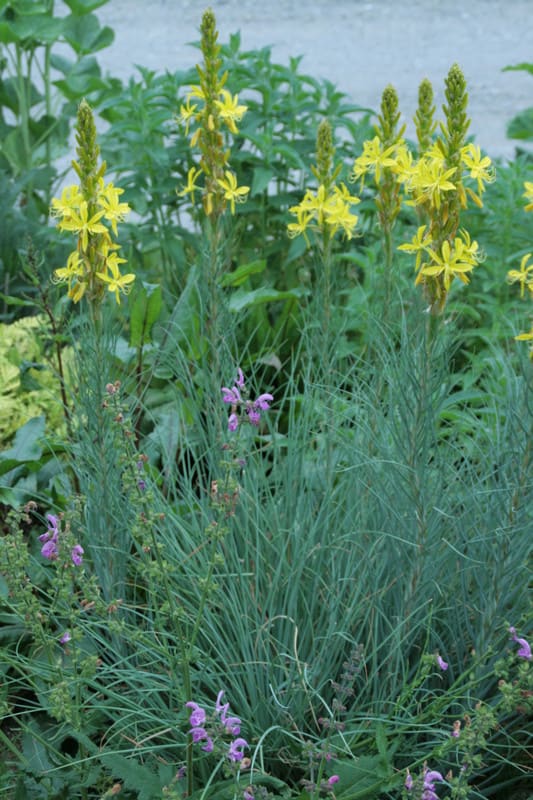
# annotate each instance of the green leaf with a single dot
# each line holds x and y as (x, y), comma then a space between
(241, 300)
(85, 35)
(261, 179)
(521, 126)
(39, 28)
(81, 7)
(26, 446)
(240, 274)
(139, 779)
(524, 66)
(145, 308)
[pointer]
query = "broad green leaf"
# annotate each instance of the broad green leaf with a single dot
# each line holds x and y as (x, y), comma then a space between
(261, 179)
(145, 308)
(240, 274)
(38, 28)
(521, 126)
(26, 446)
(241, 300)
(81, 7)
(85, 35)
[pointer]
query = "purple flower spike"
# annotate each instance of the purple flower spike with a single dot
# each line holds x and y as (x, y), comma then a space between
(77, 555)
(197, 716)
(443, 665)
(236, 749)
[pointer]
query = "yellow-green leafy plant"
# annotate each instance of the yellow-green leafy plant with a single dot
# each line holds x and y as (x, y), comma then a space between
(437, 185)
(28, 387)
(212, 110)
(91, 210)
(524, 275)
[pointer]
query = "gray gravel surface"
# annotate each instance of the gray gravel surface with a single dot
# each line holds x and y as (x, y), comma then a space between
(359, 45)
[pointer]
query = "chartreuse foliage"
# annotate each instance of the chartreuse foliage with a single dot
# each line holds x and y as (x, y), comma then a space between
(277, 543)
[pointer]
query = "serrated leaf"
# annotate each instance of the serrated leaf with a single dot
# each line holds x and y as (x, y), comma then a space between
(138, 778)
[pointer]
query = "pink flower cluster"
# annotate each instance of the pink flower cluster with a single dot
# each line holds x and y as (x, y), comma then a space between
(201, 732)
(50, 539)
(251, 408)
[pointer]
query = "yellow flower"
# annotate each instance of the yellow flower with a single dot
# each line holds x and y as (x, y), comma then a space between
(187, 112)
(192, 176)
(481, 169)
(232, 192)
(524, 275)
(108, 199)
(373, 159)
(418, 244)
(229, 109)
(429, 181)
(74, 269)
(78, 222)
(303, 217)
(528, 194)
(525, 337)
(117, 282)
(71, 198)
(453, 262)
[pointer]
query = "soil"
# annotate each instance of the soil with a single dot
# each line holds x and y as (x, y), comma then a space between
(359, 45)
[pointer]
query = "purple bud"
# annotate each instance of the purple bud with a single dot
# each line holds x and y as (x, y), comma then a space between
(233, 422)
(240, 379)
(441, 663)
(65, 638)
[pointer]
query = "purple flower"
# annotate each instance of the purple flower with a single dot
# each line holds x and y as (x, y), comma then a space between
(408, 781)
(441, 663)
(254, 416)
(76, 555)
(197, 716)
(240, 378)
(141, 485)
(248, 793)
(263, 402)
(65, 638)
(208, 746)
(333, 780)
(233, 422)
(198, 734)
(232, 396)
(430, 776)
(236, 748)
(49, 549)
(232, 725)
(524, 651)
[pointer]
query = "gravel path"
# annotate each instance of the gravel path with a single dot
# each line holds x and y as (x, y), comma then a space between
(359, 45)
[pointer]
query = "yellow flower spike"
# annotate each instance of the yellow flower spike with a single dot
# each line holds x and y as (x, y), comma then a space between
(524, 275)
(232, 192)
(79, 222)
(190, 188)
(528, 194)
(116, 282)
(229, 110)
